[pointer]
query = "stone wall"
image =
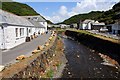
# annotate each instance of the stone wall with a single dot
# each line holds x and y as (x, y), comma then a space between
(38, 66)
(100, 45)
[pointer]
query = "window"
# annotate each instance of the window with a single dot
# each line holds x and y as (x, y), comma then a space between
(21, 31)
(43, 22)
(29, 31)
(16, 32)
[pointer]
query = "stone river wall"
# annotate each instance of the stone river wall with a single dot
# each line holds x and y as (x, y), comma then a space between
(100, 45)
(38, 66)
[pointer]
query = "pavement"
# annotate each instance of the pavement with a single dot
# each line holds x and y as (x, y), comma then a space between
(9, 56)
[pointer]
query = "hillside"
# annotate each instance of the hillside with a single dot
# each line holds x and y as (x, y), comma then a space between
(77, 18)
(18, 8)
(49, 22)
(107, 16)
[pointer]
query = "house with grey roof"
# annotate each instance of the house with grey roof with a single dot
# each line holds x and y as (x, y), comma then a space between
(98, 26)
(14, 30)
(39, 22)
(91, 25)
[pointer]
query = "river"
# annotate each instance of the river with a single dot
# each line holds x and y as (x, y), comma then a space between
(82, 63)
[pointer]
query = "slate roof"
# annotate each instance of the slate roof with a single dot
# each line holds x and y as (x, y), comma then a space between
(36, 24)
(37, 18)
(87, 21)
(12, 19)
(101, 24)
(2, 19)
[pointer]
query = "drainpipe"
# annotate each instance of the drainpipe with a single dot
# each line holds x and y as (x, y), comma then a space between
(3, 39)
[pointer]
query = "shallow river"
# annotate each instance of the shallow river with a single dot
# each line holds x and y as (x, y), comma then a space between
(82, 63)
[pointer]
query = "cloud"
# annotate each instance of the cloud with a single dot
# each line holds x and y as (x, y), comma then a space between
(63, 10)
(84, 6)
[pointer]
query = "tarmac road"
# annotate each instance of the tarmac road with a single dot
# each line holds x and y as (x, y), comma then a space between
(26, 48)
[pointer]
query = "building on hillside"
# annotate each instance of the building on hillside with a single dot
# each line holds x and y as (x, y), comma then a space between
(53, 25)
(40, 21)
(98, 26)
(64, 26)
(86, 24)
(13, 30)
(91, 25)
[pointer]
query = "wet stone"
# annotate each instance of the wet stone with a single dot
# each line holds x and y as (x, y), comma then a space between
(69, 73)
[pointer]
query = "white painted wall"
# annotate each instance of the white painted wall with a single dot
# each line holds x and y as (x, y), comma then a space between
(44, 24)
(89, 26)
(1, 37)
(84, 26)
(10, 37)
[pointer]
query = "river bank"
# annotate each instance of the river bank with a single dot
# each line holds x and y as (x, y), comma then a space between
(100, 45)
(84, 63)
(42, 64)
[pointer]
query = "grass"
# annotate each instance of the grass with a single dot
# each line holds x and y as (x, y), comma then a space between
(97, 35)
(50, 73)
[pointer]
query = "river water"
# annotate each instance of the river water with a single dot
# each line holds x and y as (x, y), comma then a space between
(82, 63)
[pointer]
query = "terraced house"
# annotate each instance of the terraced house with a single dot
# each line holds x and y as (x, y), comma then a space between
(14, 30)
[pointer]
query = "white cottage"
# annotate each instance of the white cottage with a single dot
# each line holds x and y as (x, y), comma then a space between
(13, 30)
(39, 22)
(86, 24)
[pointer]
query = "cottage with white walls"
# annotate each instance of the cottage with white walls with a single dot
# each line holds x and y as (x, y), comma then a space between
(92, 25)
(39, 22)
(13, 30)
(86, 24)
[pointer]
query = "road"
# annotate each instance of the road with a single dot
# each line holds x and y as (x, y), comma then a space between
(9, 56)
(106, 34)
(82, 63)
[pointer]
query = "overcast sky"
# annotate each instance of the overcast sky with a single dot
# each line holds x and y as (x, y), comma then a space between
(58, 11)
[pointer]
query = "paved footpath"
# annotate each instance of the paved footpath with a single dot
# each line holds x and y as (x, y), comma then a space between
(26, 48)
